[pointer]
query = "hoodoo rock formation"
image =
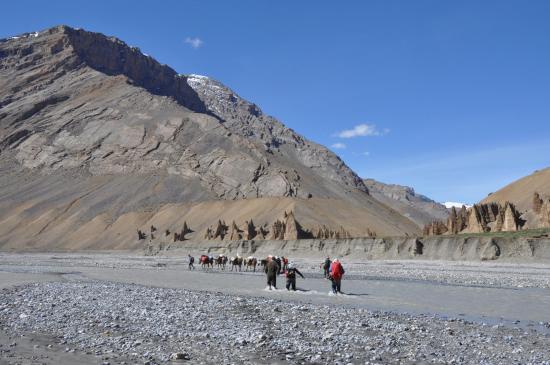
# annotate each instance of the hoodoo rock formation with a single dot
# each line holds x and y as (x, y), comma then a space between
(491, 217)
(181, 235)
(537, 203)
(325, 233)
(435, 228)
(287, 228)
(545, 214)
(541, 211)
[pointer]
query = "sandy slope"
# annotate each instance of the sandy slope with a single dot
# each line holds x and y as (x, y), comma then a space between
(520, 192)
(62, 228)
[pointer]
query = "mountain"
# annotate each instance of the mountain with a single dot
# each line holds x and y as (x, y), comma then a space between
(98, 140)
(521, 192)
(418, 208)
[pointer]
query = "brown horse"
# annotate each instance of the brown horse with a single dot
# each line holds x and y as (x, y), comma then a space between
(251, 262)
(221, 261)
(236, 262)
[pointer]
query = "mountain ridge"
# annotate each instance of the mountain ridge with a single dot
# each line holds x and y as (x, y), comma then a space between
(404, 199)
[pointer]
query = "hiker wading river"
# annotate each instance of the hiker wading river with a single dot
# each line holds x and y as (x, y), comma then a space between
(271, 270)
(291, 276)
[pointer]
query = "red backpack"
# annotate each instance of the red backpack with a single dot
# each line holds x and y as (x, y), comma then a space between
(337, 271)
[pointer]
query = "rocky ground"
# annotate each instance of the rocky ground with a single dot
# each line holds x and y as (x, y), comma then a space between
(99, 309)
(121, 323)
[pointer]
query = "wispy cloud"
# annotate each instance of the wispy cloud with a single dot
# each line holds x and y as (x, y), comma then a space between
(362, 130)
(338, 146)
(194, 42)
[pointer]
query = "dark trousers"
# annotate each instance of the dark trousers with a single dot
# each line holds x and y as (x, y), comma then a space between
(272, 281)
(191, 266)
(291, 283)
(336, 285)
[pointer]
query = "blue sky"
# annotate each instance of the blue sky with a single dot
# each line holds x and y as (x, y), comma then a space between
(450, 97)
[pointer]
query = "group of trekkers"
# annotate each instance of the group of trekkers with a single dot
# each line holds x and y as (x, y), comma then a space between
(274, 266)
(333, 271)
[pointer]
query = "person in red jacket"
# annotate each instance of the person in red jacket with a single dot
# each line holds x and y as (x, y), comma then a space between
(336, 273)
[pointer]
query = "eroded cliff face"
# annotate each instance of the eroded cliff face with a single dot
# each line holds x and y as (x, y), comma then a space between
(92, 130)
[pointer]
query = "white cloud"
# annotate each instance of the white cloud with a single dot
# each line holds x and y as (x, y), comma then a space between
(194, 42)
(362, 130)
(366, 153)
(338, 146)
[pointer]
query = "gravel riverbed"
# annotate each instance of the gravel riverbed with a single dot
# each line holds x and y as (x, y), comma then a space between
(126, 323)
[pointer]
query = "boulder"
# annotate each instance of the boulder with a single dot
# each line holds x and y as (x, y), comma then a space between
(491, 251)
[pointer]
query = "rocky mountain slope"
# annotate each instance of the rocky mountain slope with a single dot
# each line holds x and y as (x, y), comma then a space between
(419, 208)
(98, 140)
(521, 192)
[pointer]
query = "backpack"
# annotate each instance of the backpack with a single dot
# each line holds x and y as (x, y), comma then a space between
(337, 270)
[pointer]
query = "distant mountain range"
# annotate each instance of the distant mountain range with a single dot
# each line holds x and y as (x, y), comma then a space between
(419, 208)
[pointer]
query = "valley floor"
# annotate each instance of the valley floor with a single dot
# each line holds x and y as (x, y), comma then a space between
(115, 308)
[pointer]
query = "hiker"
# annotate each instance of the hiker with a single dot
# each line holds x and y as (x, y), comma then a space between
(271, 270)
(285, 263)
(278, 261)
(326, 267)
(191, 262)
(291, 272)
(336, 273)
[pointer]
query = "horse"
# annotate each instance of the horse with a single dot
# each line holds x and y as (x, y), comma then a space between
(206, 261)
(236, 262)
(221, 261)
(251, 262)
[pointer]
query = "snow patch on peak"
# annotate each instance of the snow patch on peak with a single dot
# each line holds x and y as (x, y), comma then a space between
(449, 205)
(202, 77)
